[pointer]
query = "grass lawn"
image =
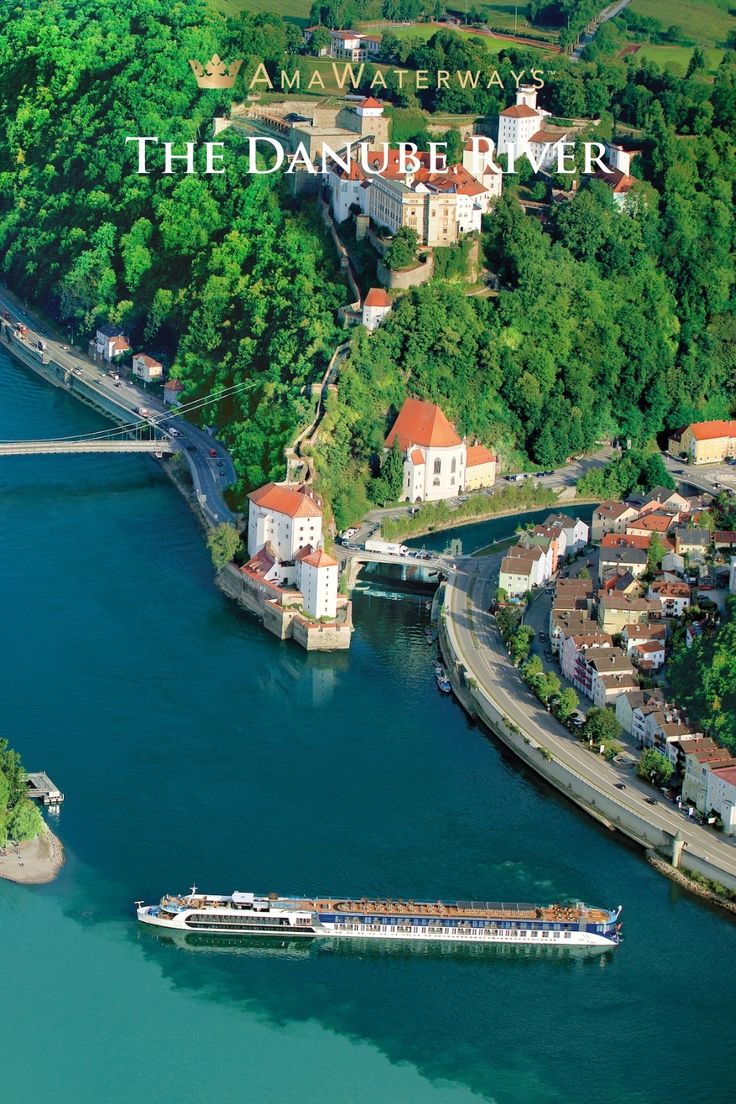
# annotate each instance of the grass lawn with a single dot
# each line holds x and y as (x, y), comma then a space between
(295, 10)
(677, 58)
(707, 22)
(426, 30)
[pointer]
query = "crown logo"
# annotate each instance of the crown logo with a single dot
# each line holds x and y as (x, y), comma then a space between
(215, 74)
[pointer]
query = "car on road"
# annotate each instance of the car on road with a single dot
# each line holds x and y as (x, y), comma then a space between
(212, 452)
(620, 785)
(117, 383)
(190, 447)
(651, 800)
(542, 636)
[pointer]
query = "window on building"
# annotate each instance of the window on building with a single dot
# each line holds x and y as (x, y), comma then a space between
(453, 467)
(438, 467)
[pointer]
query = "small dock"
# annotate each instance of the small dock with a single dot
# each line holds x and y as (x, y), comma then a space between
(43, 789)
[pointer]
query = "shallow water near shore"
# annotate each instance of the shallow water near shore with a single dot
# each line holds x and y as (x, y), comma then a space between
(193, 747)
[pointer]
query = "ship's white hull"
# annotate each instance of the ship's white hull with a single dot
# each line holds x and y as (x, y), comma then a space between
(362, 931)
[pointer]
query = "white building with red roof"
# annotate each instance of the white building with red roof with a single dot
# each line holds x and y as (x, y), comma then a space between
(720, 796)
(376, 306)
(285, 547)
(522, 129)
(172, 391)
(285, 517)
(146, 368)
(317, 579)
(111, 342)
(436, 461)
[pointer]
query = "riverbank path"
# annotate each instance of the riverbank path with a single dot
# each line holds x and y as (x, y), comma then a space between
(476, 639)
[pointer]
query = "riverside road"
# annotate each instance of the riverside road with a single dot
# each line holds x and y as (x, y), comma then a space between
(476, 639)
(210, 474)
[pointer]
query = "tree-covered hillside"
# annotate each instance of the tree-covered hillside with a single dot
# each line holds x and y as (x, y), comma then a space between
(217, 273)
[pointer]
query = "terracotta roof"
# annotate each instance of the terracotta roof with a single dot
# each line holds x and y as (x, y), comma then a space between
(173, 385)
(654, 523)
(611, 508)
(551, 136)
(728, 774)
(671, 590)
(318, 558)
(709, 431)
(120, 345)
(615, 179)
(422, 423)
(148, 361)
(478, 454)
(724, 536)
(650, 646)
(370, 101)
(631, 540)
(377, 297)
(520, 111)
(517, 565)
(417, 457)
(293, 501)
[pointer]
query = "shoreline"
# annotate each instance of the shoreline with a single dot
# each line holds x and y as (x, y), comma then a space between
(478, 519)
(33, 862)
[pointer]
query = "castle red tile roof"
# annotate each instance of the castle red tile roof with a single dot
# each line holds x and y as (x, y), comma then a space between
(422, 423)
(318, 558)
(520, 111)
(292, 501)
(377, 297)
(371, 101)
(478, 454)
(417, 457)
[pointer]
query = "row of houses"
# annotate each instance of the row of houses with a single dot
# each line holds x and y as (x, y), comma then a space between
(535, 559)
(111, 343)
(708, 771)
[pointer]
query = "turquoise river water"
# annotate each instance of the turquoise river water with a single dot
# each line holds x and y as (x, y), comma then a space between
(192, 746)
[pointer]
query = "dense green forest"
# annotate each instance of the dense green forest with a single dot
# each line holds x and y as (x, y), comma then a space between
(607, 322)
(217, 273)
(19, 817)
(703, 678)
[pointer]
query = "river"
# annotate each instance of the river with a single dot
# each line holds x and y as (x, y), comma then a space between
(193, 746)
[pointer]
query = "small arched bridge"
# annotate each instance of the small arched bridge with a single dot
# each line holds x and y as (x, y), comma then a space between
(43, 448)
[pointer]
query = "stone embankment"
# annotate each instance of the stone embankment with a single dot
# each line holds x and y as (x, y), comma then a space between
(479, 701)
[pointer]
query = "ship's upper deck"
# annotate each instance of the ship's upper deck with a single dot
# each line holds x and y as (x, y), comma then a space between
(365, 906)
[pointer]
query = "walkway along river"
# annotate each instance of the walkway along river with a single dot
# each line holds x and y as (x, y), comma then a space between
(488, 686)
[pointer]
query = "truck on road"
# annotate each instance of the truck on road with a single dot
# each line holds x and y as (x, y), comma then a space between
(386, 548)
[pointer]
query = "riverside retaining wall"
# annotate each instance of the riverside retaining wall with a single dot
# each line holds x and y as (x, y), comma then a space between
(596, 802)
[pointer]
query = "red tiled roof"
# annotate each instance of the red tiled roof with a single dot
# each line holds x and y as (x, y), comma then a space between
(417, 457)
(654, 523)
(632, 540)
(724, 536)
(147, 360)
(550, 136)
(293, 501)
(173, 385)
(520, 111)
(478, 454)
(709, 431)
(422, 423)
(370, 101)
(318, 558)
(377, 297)
(728, 774)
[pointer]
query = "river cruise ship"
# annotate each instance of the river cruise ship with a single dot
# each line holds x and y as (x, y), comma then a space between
(249, 914)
